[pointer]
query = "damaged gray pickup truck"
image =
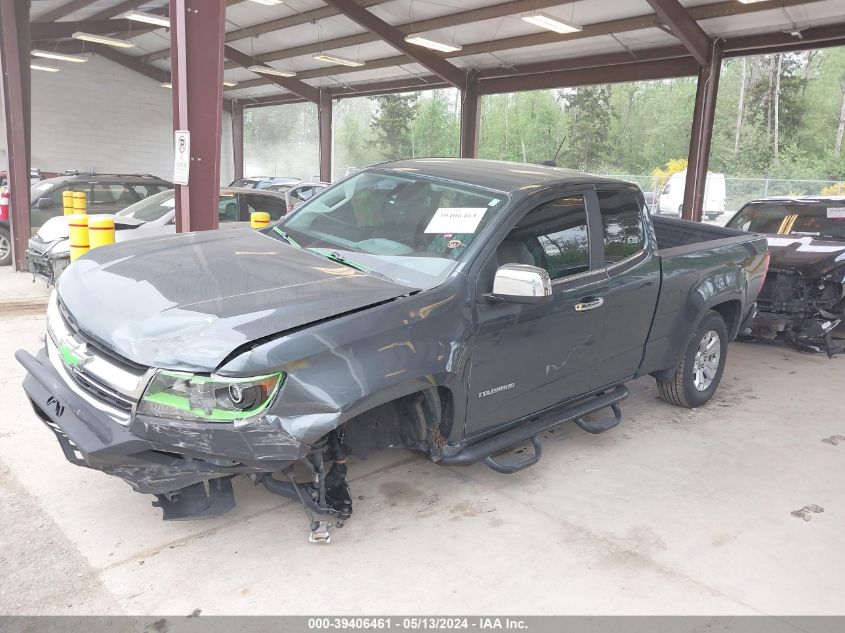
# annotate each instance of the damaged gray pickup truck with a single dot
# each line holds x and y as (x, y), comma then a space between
(457, 308)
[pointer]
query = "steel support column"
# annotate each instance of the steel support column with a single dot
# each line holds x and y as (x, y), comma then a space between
(469, 118)
(238, 137)
(196, 41)
(324, 114)
(701, 135)
(14, 53)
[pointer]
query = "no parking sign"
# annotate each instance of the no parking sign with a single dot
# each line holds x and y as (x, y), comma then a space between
(182, 156)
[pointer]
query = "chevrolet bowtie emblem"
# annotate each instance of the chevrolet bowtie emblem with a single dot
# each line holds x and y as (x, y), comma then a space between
(74, 355)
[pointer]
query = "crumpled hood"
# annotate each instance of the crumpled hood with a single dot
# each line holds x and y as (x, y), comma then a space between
(56, 228)
(187, 301)
(809, 256)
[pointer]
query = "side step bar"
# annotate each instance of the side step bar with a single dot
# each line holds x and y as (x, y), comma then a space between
(486, 449)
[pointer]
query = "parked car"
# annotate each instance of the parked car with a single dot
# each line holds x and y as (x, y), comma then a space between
(803, 299)
(671, 198)
(106, 193)
(48, 252)
(261, 182)
(452, 307)
(297, 193)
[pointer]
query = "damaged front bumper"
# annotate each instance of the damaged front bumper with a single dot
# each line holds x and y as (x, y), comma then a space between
(44, 266)
(154, 456)
(812, 334)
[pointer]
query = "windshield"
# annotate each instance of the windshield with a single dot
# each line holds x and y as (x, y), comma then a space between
(38, 189)
(821, 220)
(244, 183)
(407, 227)
(151, 208)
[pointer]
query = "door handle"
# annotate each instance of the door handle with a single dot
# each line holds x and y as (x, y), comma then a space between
(589, 304)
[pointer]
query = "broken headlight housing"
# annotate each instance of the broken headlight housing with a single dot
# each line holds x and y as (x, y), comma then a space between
(185, 396)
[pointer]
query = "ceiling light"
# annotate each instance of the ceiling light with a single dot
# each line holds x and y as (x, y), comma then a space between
(751, 1)
(334, 59)
(166, 84)
(230, 84)
(102, 39)
(546, 21)
(148, 18)
(48, 69)
(60, 56)
(269, 70)
(269, 3)
(436, 46)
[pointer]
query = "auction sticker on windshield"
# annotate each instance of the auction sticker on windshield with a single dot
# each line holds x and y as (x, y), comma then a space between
(456, 220)
(836, 213)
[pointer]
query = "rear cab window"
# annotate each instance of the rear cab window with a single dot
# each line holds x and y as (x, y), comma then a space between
(623, 231)
(276, 207)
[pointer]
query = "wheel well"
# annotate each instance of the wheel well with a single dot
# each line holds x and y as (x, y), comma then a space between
(419, 421)
(731, 313)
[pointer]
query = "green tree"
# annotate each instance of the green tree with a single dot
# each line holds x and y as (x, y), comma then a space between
(392, 125)
(435, 130)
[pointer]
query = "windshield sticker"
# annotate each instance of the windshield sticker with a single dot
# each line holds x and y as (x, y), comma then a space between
(836, 213)
(453, 244)
(456, 220)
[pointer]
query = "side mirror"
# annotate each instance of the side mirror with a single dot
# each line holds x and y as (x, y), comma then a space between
(520, 283)
(44, 203)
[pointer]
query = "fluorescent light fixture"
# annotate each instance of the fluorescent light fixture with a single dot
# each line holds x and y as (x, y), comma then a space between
(751, 1)
(269, 3)
(60, 56)
(269, 70)
(166, 84)
(435, 46)
(102, 39)
(230, 84)
(546, 21)
(48, 69)
(148, 18)
(334, 59)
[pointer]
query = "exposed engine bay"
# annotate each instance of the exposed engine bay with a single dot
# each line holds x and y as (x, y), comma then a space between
(804, 312)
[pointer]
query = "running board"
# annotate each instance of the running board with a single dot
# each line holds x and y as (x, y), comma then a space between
(486, 449)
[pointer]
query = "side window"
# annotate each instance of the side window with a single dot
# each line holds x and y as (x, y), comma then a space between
(112, 194)
(145, 191)
(622, 223)
(276, 207)
(228, 207)
(56, 194)
(553, 236)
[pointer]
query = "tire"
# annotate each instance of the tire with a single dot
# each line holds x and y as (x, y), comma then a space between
(5, 247)
(693, 383)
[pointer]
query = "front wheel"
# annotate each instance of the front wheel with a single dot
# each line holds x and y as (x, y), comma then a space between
(700, 369)
(5, 248)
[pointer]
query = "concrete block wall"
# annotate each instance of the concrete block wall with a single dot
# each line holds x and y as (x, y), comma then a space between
(102, 115)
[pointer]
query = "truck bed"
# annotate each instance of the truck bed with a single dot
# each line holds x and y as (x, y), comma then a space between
(678, 237)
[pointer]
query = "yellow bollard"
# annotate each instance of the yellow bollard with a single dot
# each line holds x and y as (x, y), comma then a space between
(79, 202)
(100, 230)
(78, 228)
(67, 202)
(259, 219)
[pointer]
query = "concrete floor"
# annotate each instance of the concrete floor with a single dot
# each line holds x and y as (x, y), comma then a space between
(710, 511)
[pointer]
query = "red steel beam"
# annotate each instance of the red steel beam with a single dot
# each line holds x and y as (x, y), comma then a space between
(63, 10)
(701, 136)
(63, 30)
(133, 63)
(469, 118)
(288, 83)
(324, 114)
(196, 39)
(685, 28)
(14, 60)
(238, 138)
(636, 71)
(396, 39)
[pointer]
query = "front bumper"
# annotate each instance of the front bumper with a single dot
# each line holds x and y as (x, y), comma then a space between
(153, 456)
(44, 267)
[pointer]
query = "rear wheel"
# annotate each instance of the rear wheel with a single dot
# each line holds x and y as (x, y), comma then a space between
(699, 371)
(5, 248)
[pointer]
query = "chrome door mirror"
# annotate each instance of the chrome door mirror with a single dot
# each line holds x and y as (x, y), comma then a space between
(520, 283)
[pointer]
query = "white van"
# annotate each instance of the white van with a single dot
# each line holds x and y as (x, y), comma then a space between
(672, 195)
